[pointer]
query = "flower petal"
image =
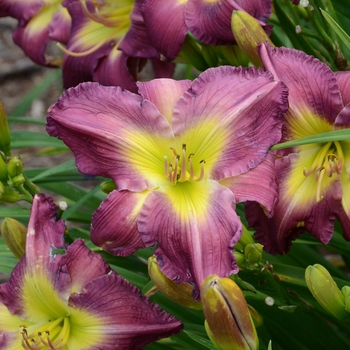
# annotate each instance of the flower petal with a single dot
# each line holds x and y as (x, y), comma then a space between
(312, 85)
(343, 79)
(164, 93)
(195, 226)
(124, 317)
(229, 118)
(165, 25)
(112, 133)
(297, 210)
(114, 223)
(264, 191)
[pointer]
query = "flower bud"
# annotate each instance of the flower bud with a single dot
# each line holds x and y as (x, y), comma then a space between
(248, 34)
(228, 321)
(14, 166)
(253, 253)
(8, 195)
(14, 235)
(346, 293)
(107, 186)
(3, 170)
(5, 140)
(325, 290)
(180, 293)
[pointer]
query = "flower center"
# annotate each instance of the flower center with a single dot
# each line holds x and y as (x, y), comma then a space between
(177, 171)
(52, 335)
(112, 15)
(329, 161)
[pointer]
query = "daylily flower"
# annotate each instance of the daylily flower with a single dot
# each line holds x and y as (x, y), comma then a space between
(313, 179)
(40, 21)
(208, 21)
(72, 301)
(178, 154)
(108, 43)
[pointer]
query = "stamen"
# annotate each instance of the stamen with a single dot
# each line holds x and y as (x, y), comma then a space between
(317, 163)
(340, 162)
(191, 167)
(183, 164)
(320, 172)
(201, 175)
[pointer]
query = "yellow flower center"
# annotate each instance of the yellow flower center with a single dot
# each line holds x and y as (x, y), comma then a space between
(109, 22)
(181, 167)
(51, 335)
(329, 160)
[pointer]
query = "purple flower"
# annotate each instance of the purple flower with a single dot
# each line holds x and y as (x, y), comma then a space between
(73, 301)
(181, 155)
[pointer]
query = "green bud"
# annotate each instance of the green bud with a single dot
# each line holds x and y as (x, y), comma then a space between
(108, 186)
(5, 140)
(17, 180)
(8, 195)
(325, 290)
(228, 321)
(346, 293)
(181, 293)
(14, 235)
(3, 170)
(14, 166)
(253, 253)
(248, 34)
(245, 239)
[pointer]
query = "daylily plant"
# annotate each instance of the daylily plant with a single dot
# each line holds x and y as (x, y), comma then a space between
(72, 300)
(313, 179)
(40, 21)
(181, 155)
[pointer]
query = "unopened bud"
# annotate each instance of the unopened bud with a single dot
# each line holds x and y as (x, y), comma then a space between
(14, 234)
(325, 290)
(108, 186)
(3, 170)
(228, 321)
(346, 293)
(248, 34)
(14, 166)
(8, 195)
(5, 140)
(180, 293)
(253, 253)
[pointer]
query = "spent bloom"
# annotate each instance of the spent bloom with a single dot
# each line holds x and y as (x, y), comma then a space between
(314, 183)
(72, 300)
(181, 155)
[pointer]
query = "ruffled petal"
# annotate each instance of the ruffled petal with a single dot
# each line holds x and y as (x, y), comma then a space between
(210, 21)
(195, 226)
(165, 25)
(229, 118)
(114, 223)
(124, 317)
(343, 79)
(164, 93)
(60, 25)
(312, 85)
(113, 133)
(297, 210)
(246, 187)
(22, 10)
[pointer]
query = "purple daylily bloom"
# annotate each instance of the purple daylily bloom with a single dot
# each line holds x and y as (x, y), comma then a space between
(73, 301)
(208, 21)
(40, 21)
(178, 153)
(313, 179)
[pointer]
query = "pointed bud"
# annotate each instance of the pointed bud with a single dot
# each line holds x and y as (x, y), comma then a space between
(5, 140)
(228, 321)
(8, 195)
(3, 170)
(14, 235)
(346, 293)
(108, 186)
(179, 293)
(325, 290)
(15, 166)
(248, 34)
(246, 238)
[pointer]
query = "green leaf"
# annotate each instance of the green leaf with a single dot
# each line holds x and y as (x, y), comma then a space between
(203, 341)
(345, 38)
(22, 139)
(58, 169)
(336, 135)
